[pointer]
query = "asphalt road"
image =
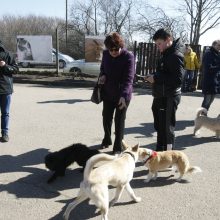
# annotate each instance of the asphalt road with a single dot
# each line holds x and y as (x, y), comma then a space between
(46, 118)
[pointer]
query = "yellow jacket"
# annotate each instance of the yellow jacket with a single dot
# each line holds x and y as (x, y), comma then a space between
(191, 61)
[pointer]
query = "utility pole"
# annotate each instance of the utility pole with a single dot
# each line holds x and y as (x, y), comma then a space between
(66, 20)
(57, 49)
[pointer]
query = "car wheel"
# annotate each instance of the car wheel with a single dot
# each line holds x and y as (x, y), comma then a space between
(62, 64)
(25, 65)
(75, 71)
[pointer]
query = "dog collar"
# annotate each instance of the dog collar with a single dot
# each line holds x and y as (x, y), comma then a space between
(154, 154)
(129, 154)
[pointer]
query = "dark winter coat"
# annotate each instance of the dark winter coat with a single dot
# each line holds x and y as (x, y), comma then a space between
(6, 80)
(119, 72)
(211, 72)
(169, 73)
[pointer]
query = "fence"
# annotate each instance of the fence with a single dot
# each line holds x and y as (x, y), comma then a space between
(146, 58)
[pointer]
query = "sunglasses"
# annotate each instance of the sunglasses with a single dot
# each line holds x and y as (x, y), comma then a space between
(114, 49)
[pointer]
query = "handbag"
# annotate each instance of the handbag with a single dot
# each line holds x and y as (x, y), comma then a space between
(96, 93)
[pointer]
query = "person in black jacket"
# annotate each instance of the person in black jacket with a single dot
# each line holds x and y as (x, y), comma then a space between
(8, 66)
(211, 74)
(166, 88)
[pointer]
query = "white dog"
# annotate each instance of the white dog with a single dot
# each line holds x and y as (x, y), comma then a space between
(202, 120)
(156, 161)
(117, 172)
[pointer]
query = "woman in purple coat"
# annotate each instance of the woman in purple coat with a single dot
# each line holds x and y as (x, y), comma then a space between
(117, 74)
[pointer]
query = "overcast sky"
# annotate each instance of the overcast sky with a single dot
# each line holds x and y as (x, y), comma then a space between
(57, 8)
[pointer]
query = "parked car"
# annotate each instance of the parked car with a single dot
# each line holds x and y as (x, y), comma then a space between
(80, 66)
(63, 58)
(63, 61)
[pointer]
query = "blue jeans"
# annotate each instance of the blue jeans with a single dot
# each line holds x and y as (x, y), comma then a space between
(188, 79)
(5, 101)
(207, 101)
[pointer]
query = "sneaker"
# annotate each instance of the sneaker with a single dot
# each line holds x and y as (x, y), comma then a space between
(4, 138)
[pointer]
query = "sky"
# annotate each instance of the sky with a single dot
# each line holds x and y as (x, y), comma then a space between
(57, 8)
(52, 8)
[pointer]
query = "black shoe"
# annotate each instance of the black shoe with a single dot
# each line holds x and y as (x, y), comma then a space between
(4, 138)
(104, 146)
(116, 152)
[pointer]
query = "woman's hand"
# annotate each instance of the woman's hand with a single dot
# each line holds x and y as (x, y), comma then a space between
(2, 63)
(149, 78)
(122, 103)
(102, 80)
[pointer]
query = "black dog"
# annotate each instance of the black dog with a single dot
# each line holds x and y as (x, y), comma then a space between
(60, 160)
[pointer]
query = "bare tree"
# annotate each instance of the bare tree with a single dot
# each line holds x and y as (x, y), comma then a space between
(119, 14)
(11, 26)
(203, 16)
(85, 16)
(151, 18)
(101, 16)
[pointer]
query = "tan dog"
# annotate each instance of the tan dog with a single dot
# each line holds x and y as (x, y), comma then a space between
(156, 161)
(117, 172)
(202, 120)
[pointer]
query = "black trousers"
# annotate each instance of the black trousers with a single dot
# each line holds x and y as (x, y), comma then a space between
(109, 108)
(164, 113)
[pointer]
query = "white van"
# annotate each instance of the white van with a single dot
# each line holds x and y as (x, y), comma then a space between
(63, 61)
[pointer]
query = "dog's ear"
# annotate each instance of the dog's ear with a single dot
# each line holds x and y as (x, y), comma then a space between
(124, 144)
(136, 147)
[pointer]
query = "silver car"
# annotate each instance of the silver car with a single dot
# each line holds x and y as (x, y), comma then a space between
(80, 66)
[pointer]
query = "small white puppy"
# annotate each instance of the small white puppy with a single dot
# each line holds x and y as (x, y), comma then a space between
(202, 120)
(117, 172)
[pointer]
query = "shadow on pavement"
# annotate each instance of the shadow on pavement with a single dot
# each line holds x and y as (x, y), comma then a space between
(159, 182)
(189, 140)
(181, 142)
(30, 185)
(34, 184)
(83, 211)
(146, 129)
(183, 124)
(67, 101)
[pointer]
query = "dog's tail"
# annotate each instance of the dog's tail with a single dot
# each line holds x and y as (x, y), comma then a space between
(93, 161)
(201, 111)
(194, 169)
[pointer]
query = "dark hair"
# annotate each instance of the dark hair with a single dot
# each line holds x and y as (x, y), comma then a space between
(215, 42)
(114, 40)
(162, 34)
